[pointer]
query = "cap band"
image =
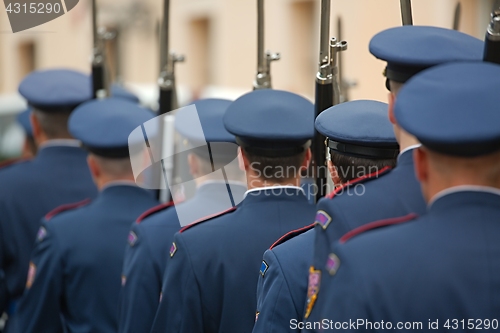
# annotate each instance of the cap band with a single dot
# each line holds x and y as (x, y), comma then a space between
(274, 152)
(364, 152)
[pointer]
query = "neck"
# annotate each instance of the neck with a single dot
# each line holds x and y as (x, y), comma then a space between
(105, 181)
(257, 182)
(406, 140)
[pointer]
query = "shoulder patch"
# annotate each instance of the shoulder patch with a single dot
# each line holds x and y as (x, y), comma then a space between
(291, 234)
(312, 290)
(323, 219)
(377, 224)
(41, 234)
(359, 180)
(263, 268)
(207, 218)
(132, 238)
(332, 264)
(154, 210)
(66, 207)
(173, 249)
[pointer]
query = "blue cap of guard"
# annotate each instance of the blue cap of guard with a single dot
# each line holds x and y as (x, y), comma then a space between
(56, 90)
(119, 91)
(411, 49)
(453, 109)
(103, 126)
(360, 129)
(23, 119)
(271, 122)
(210, 113)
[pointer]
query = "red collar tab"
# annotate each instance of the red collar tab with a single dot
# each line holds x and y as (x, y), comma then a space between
(291, 234)
(207, 218)
(370, 176)
(66, 207)
(154, 210)
(377, 224)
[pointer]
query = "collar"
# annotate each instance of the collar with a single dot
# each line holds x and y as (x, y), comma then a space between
(258, 189)
(463, 188)
(407, 153)
(61, 143)
(119, 183)
(221, 182)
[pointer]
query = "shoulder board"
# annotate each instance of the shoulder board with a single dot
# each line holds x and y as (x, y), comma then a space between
(13, 161)
(207, 218)
(66, 207)
(291, 234)
(377, 224)
(154, 210)
(359, 180)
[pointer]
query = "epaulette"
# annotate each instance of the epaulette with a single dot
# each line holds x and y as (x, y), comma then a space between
(207, 218)
(13, 161)
(154, 210)
(291, 234)
(66, 207)
(373, 175)
(377, 224)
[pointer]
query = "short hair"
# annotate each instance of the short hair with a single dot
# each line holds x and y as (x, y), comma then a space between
(114, 167)
(350, 168)
(276, 169)
(30, 141)
(53, 124)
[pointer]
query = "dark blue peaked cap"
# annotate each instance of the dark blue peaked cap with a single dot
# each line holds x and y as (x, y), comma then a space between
(23, 119)
(360, 129)
(271, 122)
(103, 126)
(453, 109)
(120, 92)
(56, 89)
(210, 113)
(411, 49)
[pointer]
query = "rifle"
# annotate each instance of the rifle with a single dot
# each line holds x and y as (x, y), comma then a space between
(406, 14)
(492, 40)
(264, 58)
(327, 91)
(168, 59)
(99, 82)
(345, 84)
(456, 17)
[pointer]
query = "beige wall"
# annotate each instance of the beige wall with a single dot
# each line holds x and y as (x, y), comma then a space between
(218, 38)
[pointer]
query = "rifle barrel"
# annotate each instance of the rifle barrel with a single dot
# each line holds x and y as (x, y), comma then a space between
(492, 40)
(406, 13)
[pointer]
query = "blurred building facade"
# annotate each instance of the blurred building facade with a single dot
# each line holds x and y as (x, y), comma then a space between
(219, 40)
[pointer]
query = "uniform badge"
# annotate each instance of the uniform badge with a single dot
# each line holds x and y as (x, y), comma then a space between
(42, 233)
(173, 249)
(263, 268)
(124, 280)
(332, 264)
(312, 289)
(132, 238)
(257, 315)
(323, 219)
(31, 275)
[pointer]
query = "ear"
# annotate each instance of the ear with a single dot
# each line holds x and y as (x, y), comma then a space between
(243, 160)
(421, 161)
(35, 125)
(334, 174)
(194, 167)
(95, 171)
(307, 159)
(392, 101)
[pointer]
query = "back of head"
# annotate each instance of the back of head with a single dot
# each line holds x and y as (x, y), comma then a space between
(273, 129)
(452, 110)
(360, 138)
(53, 94)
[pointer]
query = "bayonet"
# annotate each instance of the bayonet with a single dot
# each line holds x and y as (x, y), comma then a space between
(264, 58)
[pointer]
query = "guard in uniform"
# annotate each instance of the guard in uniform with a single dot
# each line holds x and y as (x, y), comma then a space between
(361, 142)
(407, 50)
(57, 175)
(75, 271)
(151, 237)
(211, 278)
(439, 272)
